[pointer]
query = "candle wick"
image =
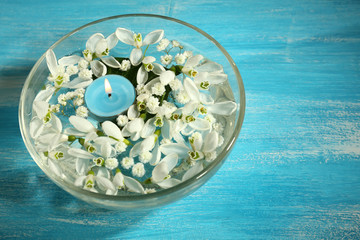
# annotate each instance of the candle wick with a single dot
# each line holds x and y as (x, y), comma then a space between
(109, 95)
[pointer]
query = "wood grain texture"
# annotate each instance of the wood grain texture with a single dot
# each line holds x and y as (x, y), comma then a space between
(294, 172)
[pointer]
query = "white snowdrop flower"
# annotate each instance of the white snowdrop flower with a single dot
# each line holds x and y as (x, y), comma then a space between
(55, 108)
(79, 92)
(163, 44)
(175, 43)
(182, 97)
(99, 161)
(120, 147)
(166, 59)
(210, 156)
(111, 163)
(149, 67)
(159, 121)
(165, 141)
(127, 162)
(210, 118)
(140, 89)
(143, 97)
(188, 54)
(202, 109)
(62, 99)
(175, 84)
(78, 101)
(138, 170)
(85, 74)
(221, 141)
(180, 59)
(158, 89)
(72, 69)
(152, 103)
(218, 127)
(125, 65)
(149, 190)
(145, 156)
(121, 120)
(82, 112)
(83, 64)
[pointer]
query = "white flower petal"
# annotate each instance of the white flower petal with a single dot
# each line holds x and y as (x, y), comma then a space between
(205, 98)
(136, 56)
(166, 77)
(125, 36)
(148, 59)
(118, 180)
(81, 165)
(159, 172)
(142, 75)
(156, 155)
(90, 136)
(179, 149)
(101, 140)
(55, 168)
(193, 61)
(168, 183)
(41, 108)
(200, 124)
(51, 61)
(36, 127)
(217, 78)
(98, 68)
(191, 89)
(210, 66)
(106, 150)
(135, 125)
(171, 160)
(104, 183)
(82, 124)
(47, 138)
(158, 69)
(103, 172)
(189, 108)
(133, 185)
(69, 60)
(56, 123)
(79, 153)
(112, 40)
(111, 129)
(132, 112)
(78, 83)
(75, 132)
(135, 150)
(111, 62)
(198, 167)
(93, 40)
(149, 128)
(223, 108)
(211, 142)
(153, 37)
(166, 130)
(45, 95)
(79, 182)
(148, 143)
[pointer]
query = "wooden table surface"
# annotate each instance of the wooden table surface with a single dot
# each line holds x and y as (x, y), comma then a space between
(295, 169)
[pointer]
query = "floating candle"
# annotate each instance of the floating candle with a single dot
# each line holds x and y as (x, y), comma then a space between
(109, 95)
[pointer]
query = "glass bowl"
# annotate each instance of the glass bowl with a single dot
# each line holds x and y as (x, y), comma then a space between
(193, 39)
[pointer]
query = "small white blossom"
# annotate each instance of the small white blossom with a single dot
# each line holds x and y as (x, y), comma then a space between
(82, 112)
(162, 44)
(180, 59)
(70, 95)
(111, 163)
(140, 89)
(158, 89)
(78, 101)
(99, 161)
(142, 97)
(175, 43)
(210, 156)
(145, 156)
(120, 147)
(138, 170)
(182, 97)
(125, 65)
(121, 120)
(85, 74)
(149, 190)
(79, 92)
(152, 103)
(55, 108)
(62, 99)
(218, 127)
(210, 118)
(72, 69)
(127, 162)
(175, 84)
(166, 59)
(83, 64)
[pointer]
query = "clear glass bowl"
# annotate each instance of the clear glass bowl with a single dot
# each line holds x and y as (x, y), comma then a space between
(193, 39)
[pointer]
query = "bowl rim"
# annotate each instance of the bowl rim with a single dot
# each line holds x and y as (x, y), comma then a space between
(164, 192)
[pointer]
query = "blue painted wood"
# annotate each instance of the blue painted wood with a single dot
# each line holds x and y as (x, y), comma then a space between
(294, 172)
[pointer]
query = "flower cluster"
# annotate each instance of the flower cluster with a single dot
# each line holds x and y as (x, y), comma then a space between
(173, 129)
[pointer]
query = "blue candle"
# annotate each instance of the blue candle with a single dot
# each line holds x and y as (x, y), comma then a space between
(113, 101)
